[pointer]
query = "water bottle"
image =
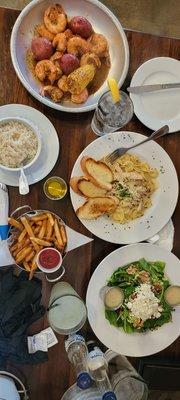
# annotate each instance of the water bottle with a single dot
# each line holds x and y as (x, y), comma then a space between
(77, 353)
(98, 368)
(4, 209)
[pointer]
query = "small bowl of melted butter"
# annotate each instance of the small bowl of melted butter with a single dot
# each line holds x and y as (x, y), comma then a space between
(55, 188)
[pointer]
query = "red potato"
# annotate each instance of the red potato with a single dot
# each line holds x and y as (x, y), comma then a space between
(81, 26)
(42, 48)
(68, 63)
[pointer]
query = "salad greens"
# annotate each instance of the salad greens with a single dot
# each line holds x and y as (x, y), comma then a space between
(129, 278)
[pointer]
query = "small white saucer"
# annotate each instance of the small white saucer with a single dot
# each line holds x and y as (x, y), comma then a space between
(155, 109)
(50, 144)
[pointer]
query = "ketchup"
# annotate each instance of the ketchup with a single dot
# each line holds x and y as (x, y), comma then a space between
(49, 258)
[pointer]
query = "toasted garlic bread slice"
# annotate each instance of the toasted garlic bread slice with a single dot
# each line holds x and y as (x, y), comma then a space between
(84, 187)
(94, 208)
(74, 183)
(98, 171)
(89, 189)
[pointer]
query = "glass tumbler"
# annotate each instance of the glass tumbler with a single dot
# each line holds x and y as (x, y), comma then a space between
(110, 116)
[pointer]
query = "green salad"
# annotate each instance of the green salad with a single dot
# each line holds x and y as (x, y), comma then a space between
(144, 306)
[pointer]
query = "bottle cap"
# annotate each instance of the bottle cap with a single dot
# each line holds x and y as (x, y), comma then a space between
(109, 396)
(84, 380)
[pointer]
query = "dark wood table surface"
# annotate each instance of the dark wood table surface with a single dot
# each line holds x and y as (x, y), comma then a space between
(49, 381)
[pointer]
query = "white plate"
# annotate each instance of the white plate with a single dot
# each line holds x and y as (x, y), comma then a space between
(163, 200)
(131, 344)
(50, 144)
(155, 109)
(103, 21)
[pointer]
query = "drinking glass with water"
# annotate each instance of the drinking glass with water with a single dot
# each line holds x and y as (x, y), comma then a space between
(109, 116)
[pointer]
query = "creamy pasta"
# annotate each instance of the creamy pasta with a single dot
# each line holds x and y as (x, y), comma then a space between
(134, 183)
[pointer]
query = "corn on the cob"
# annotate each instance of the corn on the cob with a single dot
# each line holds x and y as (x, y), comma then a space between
(80, 78)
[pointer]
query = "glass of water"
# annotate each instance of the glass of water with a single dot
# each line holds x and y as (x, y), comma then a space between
(110, 116)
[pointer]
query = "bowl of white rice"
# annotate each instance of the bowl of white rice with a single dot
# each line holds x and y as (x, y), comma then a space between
(20, 143)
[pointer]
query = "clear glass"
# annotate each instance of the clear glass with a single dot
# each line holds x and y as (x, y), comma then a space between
(110, 116)
(67, 312)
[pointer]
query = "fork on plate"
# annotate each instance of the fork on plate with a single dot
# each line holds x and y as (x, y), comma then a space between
(110, 158)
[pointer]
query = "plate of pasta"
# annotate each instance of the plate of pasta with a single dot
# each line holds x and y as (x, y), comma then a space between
(130, 200)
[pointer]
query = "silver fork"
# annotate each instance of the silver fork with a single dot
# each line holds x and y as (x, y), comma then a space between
(122, 150)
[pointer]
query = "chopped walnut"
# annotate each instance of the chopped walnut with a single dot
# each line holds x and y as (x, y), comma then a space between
(138, 323)
(144, 276)
(131, 270)
(157, 287)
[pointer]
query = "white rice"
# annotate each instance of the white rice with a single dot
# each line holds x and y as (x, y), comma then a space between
(17, 143)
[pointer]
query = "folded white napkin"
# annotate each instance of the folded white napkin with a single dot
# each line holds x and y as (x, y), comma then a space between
(165, 237)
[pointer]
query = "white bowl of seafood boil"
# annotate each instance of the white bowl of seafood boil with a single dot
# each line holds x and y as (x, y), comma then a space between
(20, 144)
(49, 45)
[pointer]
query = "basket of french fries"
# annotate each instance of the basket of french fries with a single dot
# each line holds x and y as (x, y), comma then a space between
(31, 232)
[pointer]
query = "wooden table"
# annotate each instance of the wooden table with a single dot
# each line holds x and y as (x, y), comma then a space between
(50, 380)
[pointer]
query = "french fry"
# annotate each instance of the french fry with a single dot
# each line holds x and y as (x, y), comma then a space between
(49, 229)
(58, 234)
(39, 223)
(30, 256)
(41, 242)
(33, 268)
(26, 266)
(37, 230)
(27, 226)
(15, 223)
(14, 247)
(51, 219)
(22, 254)
(35, 245)
(42, 230)
(22, 235)
(63, 234)
(60, 248)
(39, 217)
(23, 243)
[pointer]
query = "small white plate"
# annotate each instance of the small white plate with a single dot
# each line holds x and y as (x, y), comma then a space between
(131, 344)
(50, 144)
(163, 202)
(155, 109)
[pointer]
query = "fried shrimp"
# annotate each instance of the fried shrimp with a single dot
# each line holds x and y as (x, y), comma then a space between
(55, 19)
(43, 31)
(53, 92)
(80, 98)
(99, 44)
(68, 34)
(90, 58)
(46, 69)
(56, 56)
(62, 84)
(60, 42)
(78, 46)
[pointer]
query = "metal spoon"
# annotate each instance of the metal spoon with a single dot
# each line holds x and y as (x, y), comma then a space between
(23, 182)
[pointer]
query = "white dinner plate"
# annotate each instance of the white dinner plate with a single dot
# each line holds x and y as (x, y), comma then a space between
(163, 200)
(50, 144)
(132, 344)
(155, 109)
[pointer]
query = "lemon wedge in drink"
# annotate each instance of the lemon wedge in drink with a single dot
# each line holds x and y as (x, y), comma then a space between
(113, 86)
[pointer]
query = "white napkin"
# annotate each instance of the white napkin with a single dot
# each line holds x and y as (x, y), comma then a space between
(165, 237)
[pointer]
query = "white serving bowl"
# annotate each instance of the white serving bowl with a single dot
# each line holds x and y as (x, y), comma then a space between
(30, 125)
(102, 20)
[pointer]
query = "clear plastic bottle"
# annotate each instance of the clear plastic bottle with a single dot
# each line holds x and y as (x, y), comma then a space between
(77, 353)
(98, 368)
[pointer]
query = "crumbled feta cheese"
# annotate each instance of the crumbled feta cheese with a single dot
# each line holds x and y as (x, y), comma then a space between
(145, 305)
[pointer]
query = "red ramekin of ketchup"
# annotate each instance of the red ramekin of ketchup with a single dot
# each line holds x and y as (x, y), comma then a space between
(49, 260)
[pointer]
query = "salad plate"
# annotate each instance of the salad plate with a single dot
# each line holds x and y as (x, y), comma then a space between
(163, 203)
(50, 144)
(137, 343)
